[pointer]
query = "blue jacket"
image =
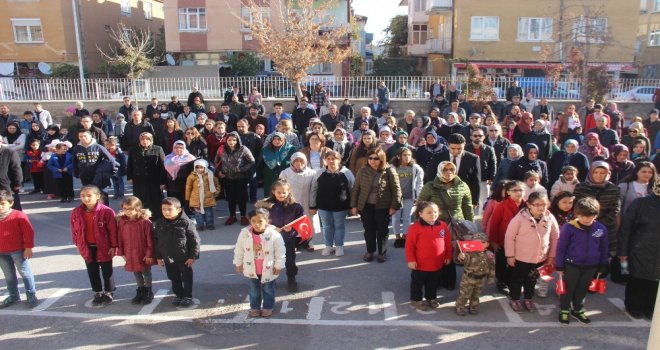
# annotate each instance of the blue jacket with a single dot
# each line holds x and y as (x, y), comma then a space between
(53, 164)
(272, 122)
(579, 247)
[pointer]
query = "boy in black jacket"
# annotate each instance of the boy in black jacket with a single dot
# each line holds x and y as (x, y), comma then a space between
(176, 246)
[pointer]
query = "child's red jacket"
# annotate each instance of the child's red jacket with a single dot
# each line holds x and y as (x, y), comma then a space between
(105, 231)
(428, 245)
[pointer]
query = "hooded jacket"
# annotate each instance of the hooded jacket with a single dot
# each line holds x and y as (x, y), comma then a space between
(87, 159)
(300, 181)
(135, 240)
(193, 189)
(273, 247)
(577, 246)
(239, 163)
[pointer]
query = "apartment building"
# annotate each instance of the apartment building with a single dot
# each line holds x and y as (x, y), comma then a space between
(208, 32)
(361, 45)
(647, 49)
(43, 31)
(514, 38)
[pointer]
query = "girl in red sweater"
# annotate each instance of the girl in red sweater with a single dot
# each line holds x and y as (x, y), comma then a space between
(135, 245)
(428, 249)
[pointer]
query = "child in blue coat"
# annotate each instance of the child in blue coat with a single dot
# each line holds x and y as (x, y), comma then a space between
(60, 165)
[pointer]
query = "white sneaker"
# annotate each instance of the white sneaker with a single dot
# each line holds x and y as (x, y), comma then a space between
(339, 251)
(327, 251)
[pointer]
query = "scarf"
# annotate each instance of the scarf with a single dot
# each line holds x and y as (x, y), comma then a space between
(569, 156)
(339, 145)
(525, 123)
(595, 151)
(598, 164)
(173, 163)
(274, 157)
(11, 138)
(533, 164)
(626, 165)
(200, 182)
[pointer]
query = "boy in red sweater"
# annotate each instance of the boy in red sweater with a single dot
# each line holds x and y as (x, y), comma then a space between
(36, 165)
(16, 243)
(428, 249)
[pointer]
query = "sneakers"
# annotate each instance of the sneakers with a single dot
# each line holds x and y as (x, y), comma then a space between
(266, 312)
(292, 284)
(176, 301)
(339, 251)
(460, 311)
(98, 299)
(244, 221)
(420, 305)
(580, 316)
(563, 317)
(106, 298)
(254, 313)
(32, 300)
(8, 301)
(230, 220)
(529, 305)
(516, 306)
(186, 302)
(327, 251)
(433, 303)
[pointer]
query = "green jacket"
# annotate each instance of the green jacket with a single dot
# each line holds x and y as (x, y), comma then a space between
(452, 198)
(389, 189)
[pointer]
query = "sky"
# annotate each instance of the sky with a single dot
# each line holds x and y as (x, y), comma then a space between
(379, 13)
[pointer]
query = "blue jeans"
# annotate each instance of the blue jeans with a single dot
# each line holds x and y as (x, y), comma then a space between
(333, 227)
(406, 212)
(9, 262)
(206, 219)
(118, 185)
(261, 291)
(252, 185)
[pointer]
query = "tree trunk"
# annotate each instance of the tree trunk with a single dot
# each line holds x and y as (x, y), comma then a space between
(295, 85)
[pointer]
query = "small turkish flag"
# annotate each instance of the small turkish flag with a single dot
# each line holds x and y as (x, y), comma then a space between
(471, 246)
(303, 225)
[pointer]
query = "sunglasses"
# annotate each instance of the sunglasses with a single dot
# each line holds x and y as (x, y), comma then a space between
(373, 158)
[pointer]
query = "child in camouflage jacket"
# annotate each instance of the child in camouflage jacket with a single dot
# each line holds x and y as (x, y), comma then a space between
(478, 269)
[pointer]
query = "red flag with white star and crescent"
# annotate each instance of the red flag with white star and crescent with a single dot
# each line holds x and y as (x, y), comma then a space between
(303, 226)
(471, 246)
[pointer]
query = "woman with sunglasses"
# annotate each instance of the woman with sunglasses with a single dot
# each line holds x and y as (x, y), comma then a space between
(195, 144)
(635, 133)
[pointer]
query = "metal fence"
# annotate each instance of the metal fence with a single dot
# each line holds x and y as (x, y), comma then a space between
(408, 87)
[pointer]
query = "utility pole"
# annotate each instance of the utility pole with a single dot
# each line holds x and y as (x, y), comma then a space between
(561, 31)
(81, 68)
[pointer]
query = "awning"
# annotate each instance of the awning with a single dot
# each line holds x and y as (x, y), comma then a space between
(611, 67)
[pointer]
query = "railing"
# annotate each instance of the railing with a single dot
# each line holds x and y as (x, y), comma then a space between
(438, 45)
(411, 87)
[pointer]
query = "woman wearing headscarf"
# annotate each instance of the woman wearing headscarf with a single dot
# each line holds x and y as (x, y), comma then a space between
(523, 130)
(639, 246)
(36, 133)
(593, 149)
(178, 165)
(340, 144)
(513, 152)
(400, 141)
(146, 172)
(431, 147)
(636, 133)
(621, 167)
(542, 139)
(568, 156)
(275, 157)
(452, 126)
(359, 155)
(529, 161)
(13, 138)
(417, 133)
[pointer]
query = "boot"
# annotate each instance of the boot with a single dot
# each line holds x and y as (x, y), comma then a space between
(292, 284)
(138, 296)
(148, 296)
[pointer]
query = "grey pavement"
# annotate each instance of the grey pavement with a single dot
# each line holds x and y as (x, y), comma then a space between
(343, 302)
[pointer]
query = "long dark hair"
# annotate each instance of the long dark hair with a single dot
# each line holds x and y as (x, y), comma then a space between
(498, 188)
(639, 166)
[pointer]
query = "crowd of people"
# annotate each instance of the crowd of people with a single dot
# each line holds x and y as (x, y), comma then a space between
(572, 191)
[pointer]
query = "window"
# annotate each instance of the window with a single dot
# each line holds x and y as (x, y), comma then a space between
(534, 28)
(485, 28)
(323, 68)
(656, 5)
(27, 30)
(419, 5)
(642, 6)
(192, 19)
(592, 29)
(654, 38)
(126, 7)
(369, 67)
(246, 17)
(419, 34)
(146, 6)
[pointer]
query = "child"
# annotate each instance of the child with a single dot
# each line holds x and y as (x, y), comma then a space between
(119, 127)
(60, 165)
(16, 243)
(176, 246)
(478, 268)
(36, 166)
(283, 210)
(428, 249)
(411, 178)
(566, 182)
(135, 245)
(94, 232)
(562, 207)
(582, 250)
(64, 132)
(260, 254)
(112, 145)
(201, 189)
(531, 180)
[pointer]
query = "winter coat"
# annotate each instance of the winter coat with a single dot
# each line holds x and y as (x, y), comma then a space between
(561, 185)
(502, 215)
(135, 242)
(11, 174)
(272, 245)
(145, 168)
(331, 191)
(38, 165)
(578, 246)
(531, 242)
(131, 137)
(452, 198)
(237, 164)
(519, 167)
(487, 160)
(609, 197)
(54, 165)
(428, 245)
(192, 190)
(301, 184)
(500, 145)
(389, 190)
(640, 238)
(105, 232)
(577, 160)
(176, 239)
(281, 215)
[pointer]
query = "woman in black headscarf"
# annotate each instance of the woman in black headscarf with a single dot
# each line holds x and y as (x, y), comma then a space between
(529, 161)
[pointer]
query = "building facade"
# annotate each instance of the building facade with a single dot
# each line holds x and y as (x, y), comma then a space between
(43, 31)
(647, 49)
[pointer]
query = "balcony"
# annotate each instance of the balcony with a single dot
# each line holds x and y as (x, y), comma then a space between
(438, 45)
(439, 5)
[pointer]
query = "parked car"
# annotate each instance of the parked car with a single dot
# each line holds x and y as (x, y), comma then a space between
(638, 94)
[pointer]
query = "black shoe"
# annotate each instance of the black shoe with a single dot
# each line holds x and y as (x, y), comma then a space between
(106, 298)
(648, 314)
(200, 228)
(138, 296)
(176, 301)
(210, 227)
(8, 301)
(580, 316)
(98, 299)
(147, 296)
(292, 284)
(502, 288)
(400, 243)
(186, 302)
(635, 314)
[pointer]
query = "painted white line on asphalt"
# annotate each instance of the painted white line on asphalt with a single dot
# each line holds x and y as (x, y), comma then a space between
(390, 306)
(52, 299)
(243, 311)
(158, 297)
(511, 315)
(315, 308)
(315, 261)
(344, 267)
(285, 307)
(622, 306)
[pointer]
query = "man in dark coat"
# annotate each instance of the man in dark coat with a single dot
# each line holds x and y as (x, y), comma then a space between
(333, 118)
(127, 108)
(86, 125)
(11, 175)
(134, 129)
(175, 106)
(497, 107)
(301, 116)
(146, 171)
(487, 165)
(194, 94)
(6, 118)
(514, 90)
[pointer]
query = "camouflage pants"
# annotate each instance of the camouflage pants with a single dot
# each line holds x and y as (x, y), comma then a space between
(470, 290)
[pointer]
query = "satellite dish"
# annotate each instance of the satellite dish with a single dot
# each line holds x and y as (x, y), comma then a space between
(45, 68)
(7, 68)
(170, 59)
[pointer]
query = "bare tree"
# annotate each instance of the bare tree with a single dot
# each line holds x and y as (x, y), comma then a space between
(298, 35)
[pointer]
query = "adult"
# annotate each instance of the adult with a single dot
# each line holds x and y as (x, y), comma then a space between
(621, 167)
(340, 144)
(616, 117)
(585, 110)
(497, 107)
(639, 244)
(195, 144)
(590, 119)
(439, 102)
(365, 115)
(523, 130)
(195, 93)
(127, 108)
(467, 164)
(319, 97)
(146, 172)
(134, 129)
(436, 89)
(237, 107)
(13, 138)
(175, 106)
(333, 118)
(376, 196)
(216, 140)
(543, 107)
(254, 118)
(375, 107)
(542, 139)
(11, 174)
(187, 118)
(463, 103)
(606, 136)
(453, 107)
(407, 123)
(236, 166)
(430, 148)
(593, 149)
(346, 109)
(495, 140)
(513, 153)
(529, 161)
(515, 103)
(359, 155)
(383, 94)
(86, 124)
(636, 133)
(514, 90)
(302, 115)
(80, 110)
(452, 126)
(234, 91)
(640, 184)
(198, 106)
(568, 156)
(254, 143)
(152, 107)
(652, 124)
(171, 133)
(315, 151)
(178, 165)
(43, 116)
(474, 124)
(529, 101)
(452, 93)
(285, 127)
(275, 117)
(275, 157)
(487, 165)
